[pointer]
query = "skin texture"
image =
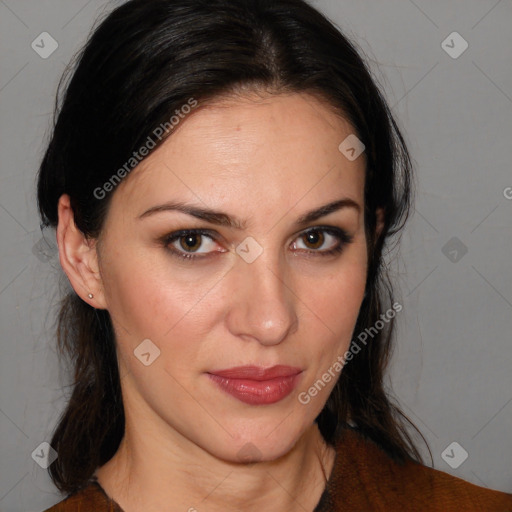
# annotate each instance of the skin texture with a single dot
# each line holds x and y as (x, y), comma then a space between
(266, 159)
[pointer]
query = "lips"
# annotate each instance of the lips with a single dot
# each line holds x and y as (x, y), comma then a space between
(256, 385)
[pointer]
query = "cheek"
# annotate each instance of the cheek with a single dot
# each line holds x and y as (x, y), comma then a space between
(336, 308)
(155, 299)
(336, 295)
(331, 305)
(342, 299)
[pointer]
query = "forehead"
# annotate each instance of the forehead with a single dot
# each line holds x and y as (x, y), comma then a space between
(249, 150)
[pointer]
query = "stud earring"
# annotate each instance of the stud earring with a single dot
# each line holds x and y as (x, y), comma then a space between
(90, 295)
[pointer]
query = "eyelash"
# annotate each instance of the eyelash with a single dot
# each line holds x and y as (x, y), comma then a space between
(343, 237)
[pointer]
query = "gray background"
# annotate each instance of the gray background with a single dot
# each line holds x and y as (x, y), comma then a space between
(451, 368)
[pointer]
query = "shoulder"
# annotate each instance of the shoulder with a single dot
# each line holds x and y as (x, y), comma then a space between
(90, 498)
(367, 478)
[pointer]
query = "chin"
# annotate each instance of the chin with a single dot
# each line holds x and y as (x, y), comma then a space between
(266, 443)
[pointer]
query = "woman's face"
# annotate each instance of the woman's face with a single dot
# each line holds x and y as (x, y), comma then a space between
(259, 291)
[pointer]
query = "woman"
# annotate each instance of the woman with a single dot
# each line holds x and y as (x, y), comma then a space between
(223, 177)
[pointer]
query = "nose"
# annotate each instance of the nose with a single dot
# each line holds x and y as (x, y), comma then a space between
(262, 305)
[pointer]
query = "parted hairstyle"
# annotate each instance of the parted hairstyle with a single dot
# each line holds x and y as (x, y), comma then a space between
(141, 63)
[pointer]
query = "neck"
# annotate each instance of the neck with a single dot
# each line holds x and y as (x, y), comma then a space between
(149, 473)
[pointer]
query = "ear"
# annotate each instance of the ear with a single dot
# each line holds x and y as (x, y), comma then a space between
(380, 222)
(78, 257)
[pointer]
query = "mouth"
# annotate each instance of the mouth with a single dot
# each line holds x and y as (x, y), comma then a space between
(256, 385)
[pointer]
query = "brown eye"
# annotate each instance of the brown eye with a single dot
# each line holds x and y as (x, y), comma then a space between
(315, 239)
(190, 242)
(323, 241)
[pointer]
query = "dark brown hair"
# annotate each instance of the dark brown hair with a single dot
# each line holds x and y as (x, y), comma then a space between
(145, 60)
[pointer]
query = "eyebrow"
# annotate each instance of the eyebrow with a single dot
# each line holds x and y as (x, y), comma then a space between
(223, 219)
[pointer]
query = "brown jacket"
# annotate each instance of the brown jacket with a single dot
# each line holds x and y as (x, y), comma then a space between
(364, 478)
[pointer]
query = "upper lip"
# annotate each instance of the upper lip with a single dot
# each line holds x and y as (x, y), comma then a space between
(257, 372)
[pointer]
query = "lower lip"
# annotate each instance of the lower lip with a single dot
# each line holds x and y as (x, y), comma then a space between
(255, 392)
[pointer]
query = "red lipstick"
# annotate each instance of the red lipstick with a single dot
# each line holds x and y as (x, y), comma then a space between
(256, 385)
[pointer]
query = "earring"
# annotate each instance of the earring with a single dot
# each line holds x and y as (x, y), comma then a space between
(90, 295)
